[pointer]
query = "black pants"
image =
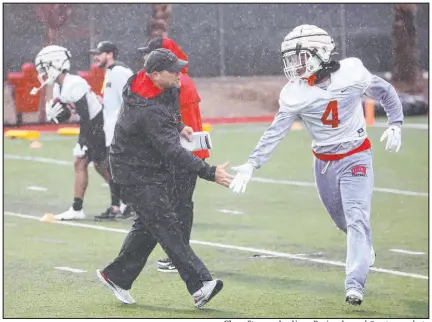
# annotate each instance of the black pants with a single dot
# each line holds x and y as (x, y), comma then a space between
(156, 223)
(183, 189)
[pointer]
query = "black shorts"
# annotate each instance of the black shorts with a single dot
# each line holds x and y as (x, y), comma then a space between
(94, 140)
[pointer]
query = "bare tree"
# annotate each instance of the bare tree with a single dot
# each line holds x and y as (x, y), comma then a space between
(406, 74)
(53, 16)
(160, 19)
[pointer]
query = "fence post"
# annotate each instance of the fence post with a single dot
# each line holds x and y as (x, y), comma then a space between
(343, 30)
(221, 41)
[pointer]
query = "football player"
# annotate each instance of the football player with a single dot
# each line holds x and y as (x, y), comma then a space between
(72, 94)
(327, 96)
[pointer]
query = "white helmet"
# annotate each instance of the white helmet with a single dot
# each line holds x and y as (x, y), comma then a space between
(304, 50)
(51, 62)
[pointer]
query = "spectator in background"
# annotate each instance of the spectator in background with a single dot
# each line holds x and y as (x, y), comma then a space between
(116, 76)
(185, 181)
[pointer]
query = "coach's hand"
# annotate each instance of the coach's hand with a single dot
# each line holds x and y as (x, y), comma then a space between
(187, 133)
(221, 176)
(243, 176)
(394, 139)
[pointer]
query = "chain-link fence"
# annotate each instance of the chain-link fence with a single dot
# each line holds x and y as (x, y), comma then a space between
(220, 39)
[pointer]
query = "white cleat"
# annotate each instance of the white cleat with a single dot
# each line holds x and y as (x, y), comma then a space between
(122, 295)
(354, 297)
(207, 292)
(70, 214)
(372, 257)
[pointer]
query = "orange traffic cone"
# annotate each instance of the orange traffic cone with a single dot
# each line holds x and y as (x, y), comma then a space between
(35, 145)
(48, 218)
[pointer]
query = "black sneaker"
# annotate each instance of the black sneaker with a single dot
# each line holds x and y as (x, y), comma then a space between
(165, 265)
(108, 215)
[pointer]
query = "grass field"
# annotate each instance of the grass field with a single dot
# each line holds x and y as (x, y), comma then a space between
(277, 216)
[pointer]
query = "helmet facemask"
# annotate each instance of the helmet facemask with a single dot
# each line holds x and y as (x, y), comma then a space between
(48, 73)
(300, 64)
(50, 64)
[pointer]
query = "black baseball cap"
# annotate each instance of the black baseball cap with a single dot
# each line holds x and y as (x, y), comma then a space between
(105, 47)
(152, 45)
(163, 59)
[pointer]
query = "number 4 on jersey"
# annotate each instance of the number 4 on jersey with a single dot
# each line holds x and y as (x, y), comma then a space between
(332, 108)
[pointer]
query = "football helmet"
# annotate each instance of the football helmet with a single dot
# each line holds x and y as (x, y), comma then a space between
(51, 62)
(304, 50)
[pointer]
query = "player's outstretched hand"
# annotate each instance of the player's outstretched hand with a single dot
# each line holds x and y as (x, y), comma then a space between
(243, 176)
(394, 138)
(221, 176)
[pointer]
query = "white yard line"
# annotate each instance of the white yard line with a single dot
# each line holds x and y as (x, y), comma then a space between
(312, 184)
(403, 251)
(263, 180)
(70, 269)
(225, 246)
(261, 127)
(416, 126)
(37, 188)
(234, 212)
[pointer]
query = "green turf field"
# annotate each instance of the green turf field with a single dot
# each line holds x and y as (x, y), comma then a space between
(278, 216)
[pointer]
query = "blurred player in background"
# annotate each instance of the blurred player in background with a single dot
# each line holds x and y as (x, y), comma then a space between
(326, 95)
(190, 115)
(72, 94)
(116, 76)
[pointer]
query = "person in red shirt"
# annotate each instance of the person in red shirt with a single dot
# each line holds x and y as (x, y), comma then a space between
(185, 182)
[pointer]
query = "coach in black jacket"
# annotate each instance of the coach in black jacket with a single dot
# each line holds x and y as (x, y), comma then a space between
(145, 149)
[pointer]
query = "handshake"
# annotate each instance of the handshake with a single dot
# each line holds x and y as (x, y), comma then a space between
(196, 141)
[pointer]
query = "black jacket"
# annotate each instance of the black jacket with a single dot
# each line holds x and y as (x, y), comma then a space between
(146, 144)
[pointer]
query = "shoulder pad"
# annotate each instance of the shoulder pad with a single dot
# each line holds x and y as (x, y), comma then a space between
(297, 95)
(352, 72)
(75, 88)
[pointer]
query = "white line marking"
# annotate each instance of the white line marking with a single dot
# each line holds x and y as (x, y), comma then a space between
(263, 180)
(312, 184)
(416, 126)
(241, 248)
(37, 159)
(264, 256)
(261, 127)
(36, 188)
(405, 251)
(70, 269)
(272, 256)
(234, 212)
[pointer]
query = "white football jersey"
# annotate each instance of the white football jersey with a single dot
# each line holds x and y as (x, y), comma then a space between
(332, 111)
(74, 87)
(335, 114)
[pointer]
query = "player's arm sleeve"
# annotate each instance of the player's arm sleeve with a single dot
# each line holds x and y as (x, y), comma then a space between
(85, 124)
(272, 136)
(382, 91)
